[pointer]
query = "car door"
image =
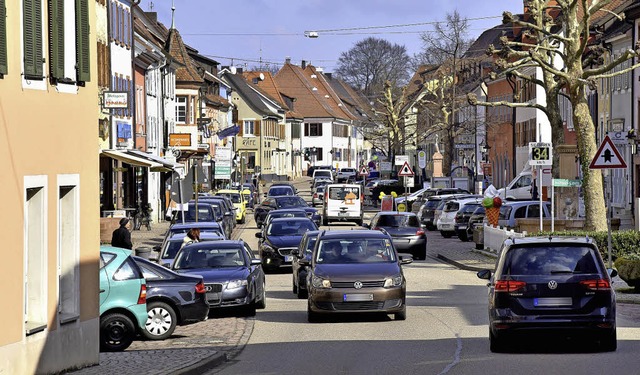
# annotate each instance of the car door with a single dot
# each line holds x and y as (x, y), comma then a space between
(105, 288)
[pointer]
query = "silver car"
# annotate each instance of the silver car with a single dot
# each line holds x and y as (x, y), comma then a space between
(318, 195)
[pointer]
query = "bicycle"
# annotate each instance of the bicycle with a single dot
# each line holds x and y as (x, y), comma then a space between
(142, 217)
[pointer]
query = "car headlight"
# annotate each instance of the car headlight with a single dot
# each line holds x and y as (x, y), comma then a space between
(319, 282)
(235, 284)
(393, 281)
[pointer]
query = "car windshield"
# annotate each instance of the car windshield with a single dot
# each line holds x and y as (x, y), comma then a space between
(290, 227)
(550, 260)
(280, 190)
(197, 257)
(398, 221)
(292, 201)
(335, 251)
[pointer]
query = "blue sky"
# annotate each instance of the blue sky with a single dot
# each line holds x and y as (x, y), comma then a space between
(243, 32)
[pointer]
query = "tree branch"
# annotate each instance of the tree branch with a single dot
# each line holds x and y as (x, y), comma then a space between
(607, 67)
(611, 75)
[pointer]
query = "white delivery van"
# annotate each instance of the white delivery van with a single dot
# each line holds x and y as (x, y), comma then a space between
(520, 187)
(343, 202)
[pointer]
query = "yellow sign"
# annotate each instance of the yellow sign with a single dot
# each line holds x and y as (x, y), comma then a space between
(402, 207)
(349, 198)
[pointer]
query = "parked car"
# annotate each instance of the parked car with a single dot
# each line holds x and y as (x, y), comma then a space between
(410, 198)
(233, 277)
(123, 299)
(205, 213)
(170, 247)
(511, 211)
(372, 184)
(230, 207)
(172, 300)
(238, 202)
(343, 202)
(475, 219)
(299, 271)
(280, 238)
(446, 223)
(553, 286)
(317, 197)
(285, 201)
(405, 230)
(355, 271)
(435, 192)
(223, 217)
(425, 215)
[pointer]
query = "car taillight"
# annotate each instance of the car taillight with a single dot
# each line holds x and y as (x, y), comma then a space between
(598, 284)
(315, 195)
(420, 232)
(376, 228)
(200, 288)
(509, 285)
(142, 298)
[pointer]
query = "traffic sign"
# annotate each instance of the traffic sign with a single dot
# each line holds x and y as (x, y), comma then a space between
(409, 182)
(607, 156)
(363, 171)
(422, 159)
(540, 153)
(406, 170)
(401, 159)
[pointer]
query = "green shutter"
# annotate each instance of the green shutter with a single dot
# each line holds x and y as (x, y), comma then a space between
(56, 38)
(3, 38)
(83, 63)
(32, 10)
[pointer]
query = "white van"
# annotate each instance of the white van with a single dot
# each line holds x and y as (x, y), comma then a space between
(520, 187)
(322, 173)
(343, 202)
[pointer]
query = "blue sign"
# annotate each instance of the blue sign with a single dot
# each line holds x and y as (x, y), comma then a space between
(124, 130)
(228, 132)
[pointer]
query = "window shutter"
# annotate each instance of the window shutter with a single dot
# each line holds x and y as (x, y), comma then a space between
(240, 126)
(3, 39)
(83, 66)
(306, 129)
(32, 18)
(256, 127)
(56, 39)
(319, 129)
(112, 18)
(234, 116)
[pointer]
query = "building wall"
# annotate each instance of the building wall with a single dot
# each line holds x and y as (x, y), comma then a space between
(48, 135)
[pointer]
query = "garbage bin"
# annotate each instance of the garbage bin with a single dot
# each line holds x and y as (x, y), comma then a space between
(143, 252)
(478, 236)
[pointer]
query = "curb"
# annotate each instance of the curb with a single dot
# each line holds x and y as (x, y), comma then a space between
(457, 264)
(204, 365)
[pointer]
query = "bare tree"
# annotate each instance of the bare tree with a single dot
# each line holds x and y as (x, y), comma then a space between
(371, 63)
(560, 31)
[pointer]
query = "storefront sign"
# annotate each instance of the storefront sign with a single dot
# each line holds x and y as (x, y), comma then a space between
(115, 99)
(180, 139)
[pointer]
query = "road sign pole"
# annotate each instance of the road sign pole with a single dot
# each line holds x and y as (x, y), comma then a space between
(540, 196)
(553, 200)
(609, 217)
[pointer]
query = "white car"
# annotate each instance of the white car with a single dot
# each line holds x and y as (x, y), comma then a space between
(346, 173)
(446, 223)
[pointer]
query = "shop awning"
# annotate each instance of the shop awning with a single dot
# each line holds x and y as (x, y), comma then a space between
(131, 159)
(167, 165)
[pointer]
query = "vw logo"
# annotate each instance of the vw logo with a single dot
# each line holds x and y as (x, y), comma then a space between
(357, 285)
(552, 284)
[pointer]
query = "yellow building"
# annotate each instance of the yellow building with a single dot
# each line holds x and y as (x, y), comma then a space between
(48, 168)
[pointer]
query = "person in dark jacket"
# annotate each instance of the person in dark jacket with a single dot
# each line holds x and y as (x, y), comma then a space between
(122, 237)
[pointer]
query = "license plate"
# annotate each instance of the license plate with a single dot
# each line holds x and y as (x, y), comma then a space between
(552, 301)
(343, 214)
(288, 258)
(401, 242)
(357, 297)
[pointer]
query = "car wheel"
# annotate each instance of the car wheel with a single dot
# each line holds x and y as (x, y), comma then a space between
(301, 293)
(609, 341)
(116, 332)
(445, 234)
(262, 304)
(161, 321)
(402, 315)
(497, 343)
(244, 219)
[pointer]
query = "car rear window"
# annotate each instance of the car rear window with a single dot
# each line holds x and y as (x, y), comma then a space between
(344, 192)
(398, 221)
(550, 260)
(293, 201)
(451, 207)
(468, 208)
(280, 190)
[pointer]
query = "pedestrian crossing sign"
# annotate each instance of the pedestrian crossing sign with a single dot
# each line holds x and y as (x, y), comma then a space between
(363, 171)
(406, 170)
(607, 156)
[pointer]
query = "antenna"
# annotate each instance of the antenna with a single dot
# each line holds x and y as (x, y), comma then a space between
(151, 6)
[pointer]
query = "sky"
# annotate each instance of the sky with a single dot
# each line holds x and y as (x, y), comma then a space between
(244, 33)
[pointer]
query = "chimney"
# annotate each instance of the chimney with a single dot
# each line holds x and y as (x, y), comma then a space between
(287, 60)
(304, 64)
(153, 16)
(239, 70)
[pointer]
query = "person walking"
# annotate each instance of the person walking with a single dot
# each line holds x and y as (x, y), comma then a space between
(121, 237)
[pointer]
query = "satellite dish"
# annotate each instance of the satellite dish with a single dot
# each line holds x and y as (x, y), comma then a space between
(233, 70)
(261, 76)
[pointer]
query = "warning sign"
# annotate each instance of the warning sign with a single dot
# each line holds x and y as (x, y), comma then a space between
(406, 170)
(607, 156)
(363, 171)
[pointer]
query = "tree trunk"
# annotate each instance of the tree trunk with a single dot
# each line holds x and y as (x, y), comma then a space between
(557, 130)
(596, 217)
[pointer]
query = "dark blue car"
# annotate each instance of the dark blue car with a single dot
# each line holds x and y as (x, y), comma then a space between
(233, 277)
(280, 239)
(284, 201)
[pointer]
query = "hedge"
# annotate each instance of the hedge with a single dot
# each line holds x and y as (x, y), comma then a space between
(624, 243)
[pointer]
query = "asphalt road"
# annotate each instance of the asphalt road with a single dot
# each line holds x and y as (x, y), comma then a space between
(446, 332)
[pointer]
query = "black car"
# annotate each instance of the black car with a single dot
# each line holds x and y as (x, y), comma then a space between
(462, 219)
(223, 215)
(285, 212)
(300, 272)
(280, 239)
(285, 201)
(172, 300)
(427, 212)
(405, 230)
(233, 277)
(550, 285)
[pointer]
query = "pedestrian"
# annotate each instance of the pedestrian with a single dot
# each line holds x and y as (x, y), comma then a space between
(121, 237)
(193, 236)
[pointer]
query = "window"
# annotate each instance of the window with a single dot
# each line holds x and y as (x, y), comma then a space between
(68, 248)
(248, 127)
(181, 109)
(35, 254)
(313, 129)
(318, 153)
(295, 130)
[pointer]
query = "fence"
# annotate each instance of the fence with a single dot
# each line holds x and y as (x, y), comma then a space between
(494, 237)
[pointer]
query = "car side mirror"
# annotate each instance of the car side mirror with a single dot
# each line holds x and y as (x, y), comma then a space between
(258, 234)
(256, 262)
(405, 258)
(304, 262)
(228, 213)
(484, 274)
(612, 272)
(156, 248)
